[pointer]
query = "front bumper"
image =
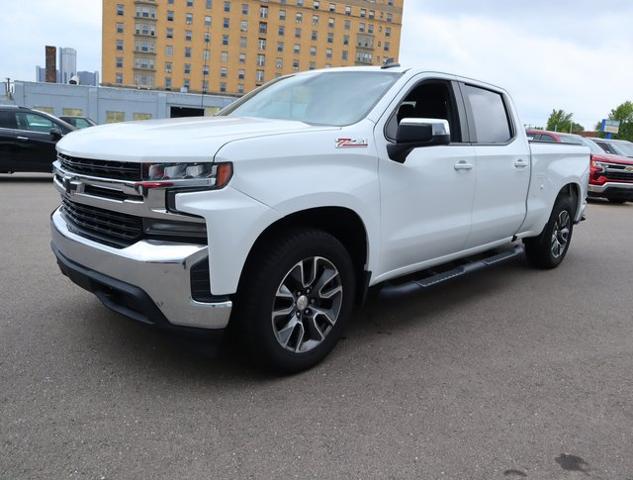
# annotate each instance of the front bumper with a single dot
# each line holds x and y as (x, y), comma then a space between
(148, 281)
(615, 190)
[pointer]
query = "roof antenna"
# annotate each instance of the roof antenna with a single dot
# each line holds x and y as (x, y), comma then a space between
(390, 63)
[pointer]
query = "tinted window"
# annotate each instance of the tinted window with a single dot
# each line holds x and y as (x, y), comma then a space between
(7, 119)
(488, 115)
(607, 148)
(571, 139)
(34, 122)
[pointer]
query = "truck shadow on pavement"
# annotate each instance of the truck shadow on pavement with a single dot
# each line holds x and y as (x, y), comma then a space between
(189, 359)
(34, 178)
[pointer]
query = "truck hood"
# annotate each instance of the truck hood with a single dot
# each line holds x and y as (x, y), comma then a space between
(172, 140)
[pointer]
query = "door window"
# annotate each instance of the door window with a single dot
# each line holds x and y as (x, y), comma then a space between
(7, 120)
(430, 99)
(488, 114)
(33, 122)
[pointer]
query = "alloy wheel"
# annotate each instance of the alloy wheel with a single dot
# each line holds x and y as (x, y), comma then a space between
(560, 234)
(307, 304)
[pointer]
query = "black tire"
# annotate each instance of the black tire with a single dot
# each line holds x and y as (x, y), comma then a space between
(617, 201)
(541, 251)
(265, 276)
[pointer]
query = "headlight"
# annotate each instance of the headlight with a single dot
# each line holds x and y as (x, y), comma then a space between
(217, 175)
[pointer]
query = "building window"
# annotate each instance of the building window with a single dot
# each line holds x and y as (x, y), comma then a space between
(259, 76)
(186, 83)
(187, 69)
(316, 4)
(263, 27)
(361, 27)
(242, 58)
(261, 60)
(190, 3)
(345, 55)
(282, 15)
(241, 74)
(243, 42)
(330, 22)
(167, 83)
(170, 15)
(170, 33)
(207, 21)
(207, 37)
(141, 116)
(348, 10)
(348, 25)
(363, 13)
(279, 63)
(280, 46)
(345, 39)
(315, 19)
(332, 7)
(120, 9)
(387, 46)
(224, 57)
(328, 53)
(296, 48)
(315, 36)
(225, 39)
(240, 88)
(168, 67)
(119, 45)
(295, 65)
(299, 3)
(114, 117)
(370, 28)
(330, 37)
(119, 28)
(261, 43)
(389, 17)
(372, 14)
(118, 78)
(245, 9)
(188, 35)
(169, 51)
(223, 86)
(224, 72)
(189, 18)
(282, 31)
(119, 62)
(209, 4)
(263, 12)
(187, 52)
(387, 31)
(227, 6)
(313, 51)
(226, 23)
(297, 33)
(299, 17)
(244, 26)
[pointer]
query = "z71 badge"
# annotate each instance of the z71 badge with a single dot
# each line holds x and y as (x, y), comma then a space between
(351, 143)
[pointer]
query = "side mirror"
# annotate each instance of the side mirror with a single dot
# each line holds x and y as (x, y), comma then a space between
(418, 132)
(56, 133)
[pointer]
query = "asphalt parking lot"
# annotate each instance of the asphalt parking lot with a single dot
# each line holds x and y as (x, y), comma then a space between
(507, 374)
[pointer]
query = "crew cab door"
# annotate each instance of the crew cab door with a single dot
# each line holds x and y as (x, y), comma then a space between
(37, 144)
(426, 202)
(503, 165)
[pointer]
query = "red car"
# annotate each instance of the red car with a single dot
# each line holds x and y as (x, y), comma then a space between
(611, 176)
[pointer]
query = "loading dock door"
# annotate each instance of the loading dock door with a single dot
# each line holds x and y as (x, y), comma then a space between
(177, 112)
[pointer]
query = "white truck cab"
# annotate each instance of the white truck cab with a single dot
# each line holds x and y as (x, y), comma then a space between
(275, 216)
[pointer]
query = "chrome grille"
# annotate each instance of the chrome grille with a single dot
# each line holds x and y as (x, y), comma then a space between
(112, 228)
(619, 173)
(101, 168)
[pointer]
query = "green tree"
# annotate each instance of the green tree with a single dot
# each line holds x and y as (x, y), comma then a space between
(561, 121)
(624, 114)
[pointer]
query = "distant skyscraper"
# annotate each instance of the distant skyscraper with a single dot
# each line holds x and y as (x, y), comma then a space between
(88, 78)
(67, 64)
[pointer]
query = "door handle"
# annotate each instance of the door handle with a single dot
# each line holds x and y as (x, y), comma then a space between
(520, 163)
(23, 139)
(463, 165)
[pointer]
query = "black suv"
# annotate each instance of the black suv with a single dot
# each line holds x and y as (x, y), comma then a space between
(28, 138)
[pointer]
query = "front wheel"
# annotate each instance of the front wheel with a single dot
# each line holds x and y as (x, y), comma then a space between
(549, 249)
(295, 299)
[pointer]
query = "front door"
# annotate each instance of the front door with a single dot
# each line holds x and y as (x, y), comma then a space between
(38, 145)
(426, 202)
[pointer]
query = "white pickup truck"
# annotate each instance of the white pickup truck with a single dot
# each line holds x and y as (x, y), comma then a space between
(276, 216)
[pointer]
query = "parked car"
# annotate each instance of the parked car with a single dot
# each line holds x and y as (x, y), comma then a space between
(79, 122)
(276, 216)
(611, 175)
(616, 147)
(553, 137)
(28, 138)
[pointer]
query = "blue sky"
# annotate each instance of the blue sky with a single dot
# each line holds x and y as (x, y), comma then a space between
(574, 55)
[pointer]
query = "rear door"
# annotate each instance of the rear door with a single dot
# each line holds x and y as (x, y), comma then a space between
(503, 166)
(38, 151)
(11, 147)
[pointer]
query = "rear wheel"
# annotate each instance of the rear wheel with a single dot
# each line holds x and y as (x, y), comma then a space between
(549, 249)
(295, 299)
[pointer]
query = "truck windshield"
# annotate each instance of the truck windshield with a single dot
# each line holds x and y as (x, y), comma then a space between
(328, 98)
